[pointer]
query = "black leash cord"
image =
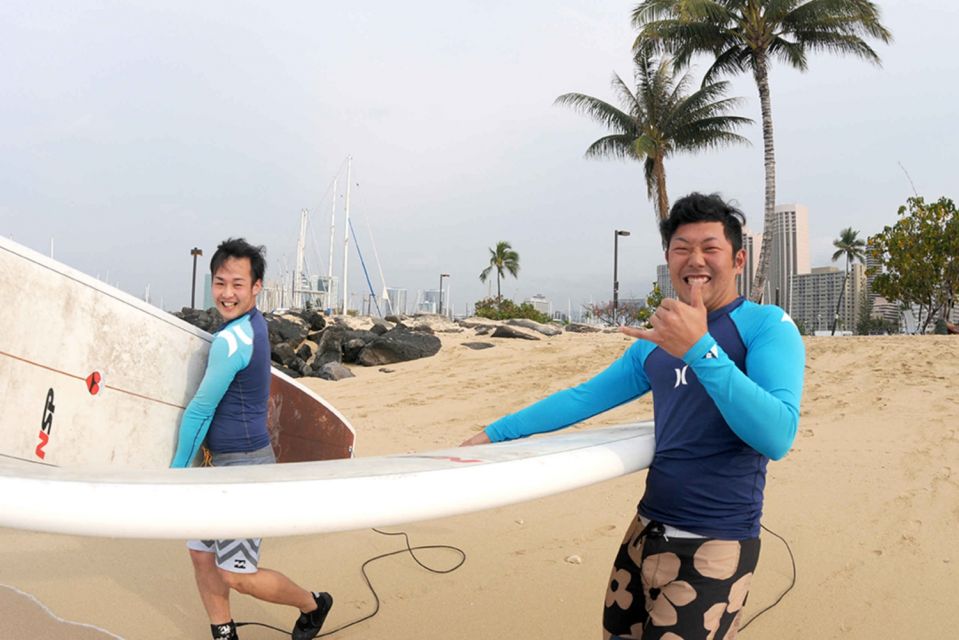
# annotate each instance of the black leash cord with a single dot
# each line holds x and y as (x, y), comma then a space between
(409, 549)
(788, 589)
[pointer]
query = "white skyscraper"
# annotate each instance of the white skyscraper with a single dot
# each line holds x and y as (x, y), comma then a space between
(751, 243)
(663, 281)
(541, 303)
(790, 253)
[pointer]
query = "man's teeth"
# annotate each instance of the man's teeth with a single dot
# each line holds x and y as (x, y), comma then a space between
(702, 279)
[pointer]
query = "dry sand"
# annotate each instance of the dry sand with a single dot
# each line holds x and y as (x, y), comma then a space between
(868, 500)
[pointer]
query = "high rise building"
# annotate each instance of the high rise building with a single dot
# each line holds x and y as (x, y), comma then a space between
(663, 282)
(541, 303)
(429, 301)
(815, 296)
(789, 255)
(751, 243)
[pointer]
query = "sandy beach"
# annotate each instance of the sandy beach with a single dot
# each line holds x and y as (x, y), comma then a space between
(868, 500)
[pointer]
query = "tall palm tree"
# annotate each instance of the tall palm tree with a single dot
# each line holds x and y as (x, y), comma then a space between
(659, 118)
(503, 260)
(747, 35)
(848, 244)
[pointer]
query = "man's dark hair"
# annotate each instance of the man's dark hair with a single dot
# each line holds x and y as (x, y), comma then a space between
(240, 248)
(699, 208)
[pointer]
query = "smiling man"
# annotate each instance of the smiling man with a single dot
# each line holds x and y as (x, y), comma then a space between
(726, 376)
(229, 413)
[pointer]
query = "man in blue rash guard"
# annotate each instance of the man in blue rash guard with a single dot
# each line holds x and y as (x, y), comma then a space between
(229, 411)
(726, 376)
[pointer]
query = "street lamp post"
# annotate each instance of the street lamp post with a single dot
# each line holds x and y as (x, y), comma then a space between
(194, 252)
(439, 306)
(616, 234)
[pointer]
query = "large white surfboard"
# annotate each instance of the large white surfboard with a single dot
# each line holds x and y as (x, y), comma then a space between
(347, 494)
(95, 382)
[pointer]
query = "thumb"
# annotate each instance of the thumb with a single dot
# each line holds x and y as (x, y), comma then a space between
(696, 295)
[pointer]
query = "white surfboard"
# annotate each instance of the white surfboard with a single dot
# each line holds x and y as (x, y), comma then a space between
(95, 382)
(348, 494)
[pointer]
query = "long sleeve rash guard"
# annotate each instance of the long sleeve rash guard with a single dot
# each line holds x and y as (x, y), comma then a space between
(229, 409)
(721, 412)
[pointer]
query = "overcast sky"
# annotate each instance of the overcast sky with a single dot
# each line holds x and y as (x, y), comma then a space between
(131, 132)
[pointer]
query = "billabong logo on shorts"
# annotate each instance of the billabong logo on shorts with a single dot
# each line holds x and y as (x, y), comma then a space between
(239, 563)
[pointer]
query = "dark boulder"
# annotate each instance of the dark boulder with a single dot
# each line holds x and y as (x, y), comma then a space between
(352, 348)
(315, 320)
(208, 320)
(380, 326)
(330, 348)
(398, 345)
(286, 328)
(282, 353)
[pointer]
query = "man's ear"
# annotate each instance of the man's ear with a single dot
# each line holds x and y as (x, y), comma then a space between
(739, 261)
(257, 287)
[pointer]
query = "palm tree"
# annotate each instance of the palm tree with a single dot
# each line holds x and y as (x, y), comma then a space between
(503, 259)
(848, 244)
(747, 35)
(657, 119)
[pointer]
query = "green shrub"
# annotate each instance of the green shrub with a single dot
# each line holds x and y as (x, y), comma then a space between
(506, 309)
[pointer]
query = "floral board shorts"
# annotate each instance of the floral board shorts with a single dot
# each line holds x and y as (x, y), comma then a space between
(669, 588)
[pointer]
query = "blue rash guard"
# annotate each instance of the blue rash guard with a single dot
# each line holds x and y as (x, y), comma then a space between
(721, 412)
(230, 406)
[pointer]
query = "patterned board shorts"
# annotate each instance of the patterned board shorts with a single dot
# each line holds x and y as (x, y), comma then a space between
(236, 556)
(668, 588)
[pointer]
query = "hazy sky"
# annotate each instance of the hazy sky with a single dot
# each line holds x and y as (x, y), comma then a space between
(131, 132)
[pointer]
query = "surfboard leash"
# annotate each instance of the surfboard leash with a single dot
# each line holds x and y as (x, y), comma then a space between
(411, 550)
(782, 595)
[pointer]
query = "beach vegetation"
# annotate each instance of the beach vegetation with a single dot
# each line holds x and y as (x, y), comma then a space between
(917, 259)
(659, 117)
(506, 309)
(853, 248)
(628, 313)
(747, 36)
(502, 260)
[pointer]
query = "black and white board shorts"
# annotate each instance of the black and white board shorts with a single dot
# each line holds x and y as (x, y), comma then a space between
(242, 555)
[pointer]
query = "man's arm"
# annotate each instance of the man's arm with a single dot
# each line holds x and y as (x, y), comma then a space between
(761, 407)
(223, 363)
(622, 381)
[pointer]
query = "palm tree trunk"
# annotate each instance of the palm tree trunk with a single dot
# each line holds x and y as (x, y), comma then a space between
(761, 74)
(498, 295)
(835, 317)
(659, 175)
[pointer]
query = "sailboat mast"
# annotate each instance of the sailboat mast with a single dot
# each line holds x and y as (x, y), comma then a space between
(298, 274)
(332, 231)
(346, 232)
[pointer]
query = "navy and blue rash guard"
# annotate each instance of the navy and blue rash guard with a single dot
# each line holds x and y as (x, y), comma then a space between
(230, 406)
(721, 412)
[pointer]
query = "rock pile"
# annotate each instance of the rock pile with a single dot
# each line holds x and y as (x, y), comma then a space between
(309, 343)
